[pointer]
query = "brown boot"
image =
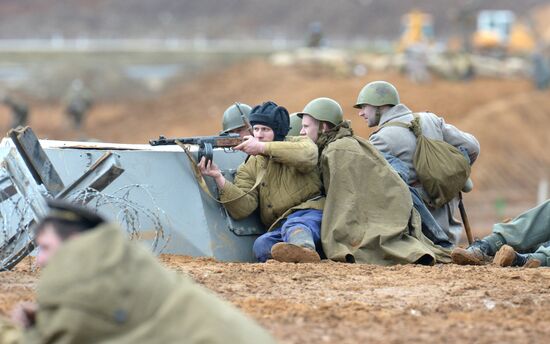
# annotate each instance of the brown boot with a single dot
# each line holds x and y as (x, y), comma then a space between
(290, 253)
(507, 256)
(475, 254)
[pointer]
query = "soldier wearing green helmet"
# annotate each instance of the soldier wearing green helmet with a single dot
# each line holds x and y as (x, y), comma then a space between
(235, 119)
(295, 125)
(379, 105)
(367, 216)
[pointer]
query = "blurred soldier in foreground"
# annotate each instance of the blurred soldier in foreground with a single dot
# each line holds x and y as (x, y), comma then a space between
(378, 103)
(97, 286)
(235, 120)
(19, 111)
(529, 233)
(368, 215)
(295, 125)
(281, 179)
(79, 102)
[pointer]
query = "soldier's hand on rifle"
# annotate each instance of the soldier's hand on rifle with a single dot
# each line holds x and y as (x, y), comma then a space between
(212, 170)
(251, 146)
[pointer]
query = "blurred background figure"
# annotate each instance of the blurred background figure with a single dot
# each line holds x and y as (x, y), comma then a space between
(315, 37)
(416, 64)
(19, 111)
(79, 102)
(541, 70)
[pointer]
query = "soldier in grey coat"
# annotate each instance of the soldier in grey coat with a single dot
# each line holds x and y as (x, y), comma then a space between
(379, 103)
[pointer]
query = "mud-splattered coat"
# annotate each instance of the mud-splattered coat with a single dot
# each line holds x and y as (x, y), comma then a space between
(369, 215)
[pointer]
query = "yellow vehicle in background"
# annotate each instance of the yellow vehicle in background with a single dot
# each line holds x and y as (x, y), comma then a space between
(417, 27)
(499, 32)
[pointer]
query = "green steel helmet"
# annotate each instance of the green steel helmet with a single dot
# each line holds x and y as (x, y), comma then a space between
(295, 125)
(377, 93)
(232, 117)
(324, 110)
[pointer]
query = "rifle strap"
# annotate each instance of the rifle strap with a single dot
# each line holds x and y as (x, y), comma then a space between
(202, 183)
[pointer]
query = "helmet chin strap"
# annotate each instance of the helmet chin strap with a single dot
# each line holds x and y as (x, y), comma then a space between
(377, 115)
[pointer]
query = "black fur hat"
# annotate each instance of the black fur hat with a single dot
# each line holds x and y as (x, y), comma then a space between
(272, 115)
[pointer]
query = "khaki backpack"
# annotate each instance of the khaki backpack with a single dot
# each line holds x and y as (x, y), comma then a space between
(440, 167)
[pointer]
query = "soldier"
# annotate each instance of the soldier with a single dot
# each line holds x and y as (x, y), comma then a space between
(368, 215)
(417, 63)
(378, 104)
(96, 286)
(528, 233)
(295, 125)
(19, 112)
(79, 103)
(315, 37)
(234, 120)
(281, 179)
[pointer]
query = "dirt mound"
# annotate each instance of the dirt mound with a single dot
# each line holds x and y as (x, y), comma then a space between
(508, 117)
(500, 113)
(345, 303)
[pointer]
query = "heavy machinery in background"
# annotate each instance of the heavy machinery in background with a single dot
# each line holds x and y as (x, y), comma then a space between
(416, 28)
(500, 33)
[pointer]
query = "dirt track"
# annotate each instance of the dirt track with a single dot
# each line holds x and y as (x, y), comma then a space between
(343, 303)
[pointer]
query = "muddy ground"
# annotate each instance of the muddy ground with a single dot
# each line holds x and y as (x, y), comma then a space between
(337, 303)
(343, 303)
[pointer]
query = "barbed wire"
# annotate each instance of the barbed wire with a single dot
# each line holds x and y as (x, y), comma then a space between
(129, 213)
(17, 218)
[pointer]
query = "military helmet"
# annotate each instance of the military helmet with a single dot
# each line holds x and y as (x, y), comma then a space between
(377, 93)
(232, 117)
(324, 110)
(295, 125)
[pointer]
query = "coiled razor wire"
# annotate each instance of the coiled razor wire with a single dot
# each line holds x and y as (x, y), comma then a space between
(129, 214)
(135, 218)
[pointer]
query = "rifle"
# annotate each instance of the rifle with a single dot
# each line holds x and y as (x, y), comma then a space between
(465, 220)
(206, 143)
(245, 120)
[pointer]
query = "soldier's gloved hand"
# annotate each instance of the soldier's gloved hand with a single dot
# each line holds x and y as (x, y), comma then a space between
(24, 314)
(212, 170)
(251, 146)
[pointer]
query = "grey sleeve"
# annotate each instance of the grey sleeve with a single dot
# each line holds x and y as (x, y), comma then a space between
(458, 138)
(379, 143)
(398, 166)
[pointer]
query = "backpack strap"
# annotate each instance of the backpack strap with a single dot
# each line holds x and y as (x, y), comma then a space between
(413, 125)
